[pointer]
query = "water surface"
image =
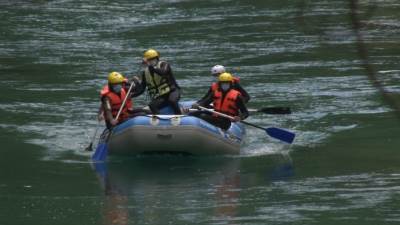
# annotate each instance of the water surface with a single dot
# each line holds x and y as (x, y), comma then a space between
(342, 169)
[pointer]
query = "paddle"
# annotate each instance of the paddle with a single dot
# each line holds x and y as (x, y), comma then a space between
(272, 110)
(278, 133)
(90, 147)
(102, 149)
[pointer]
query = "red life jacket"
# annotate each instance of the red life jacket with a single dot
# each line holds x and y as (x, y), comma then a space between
(116, 102)
(228, 104)
(214, 86)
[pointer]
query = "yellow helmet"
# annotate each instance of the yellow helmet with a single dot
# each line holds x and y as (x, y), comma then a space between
(115, 78)
(150, 54)
(225, 77)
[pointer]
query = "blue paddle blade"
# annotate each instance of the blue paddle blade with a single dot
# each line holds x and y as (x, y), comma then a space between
(101, 152)
(281, 134)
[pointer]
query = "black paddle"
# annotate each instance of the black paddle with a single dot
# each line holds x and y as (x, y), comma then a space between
(90, 147)
(272, 110)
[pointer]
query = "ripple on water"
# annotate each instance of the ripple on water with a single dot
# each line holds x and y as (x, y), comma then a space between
(310, 197)
(280, 61)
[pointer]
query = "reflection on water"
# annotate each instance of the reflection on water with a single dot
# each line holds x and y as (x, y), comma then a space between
(159, 189)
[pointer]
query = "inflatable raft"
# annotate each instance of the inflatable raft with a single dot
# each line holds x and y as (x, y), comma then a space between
(174, 134)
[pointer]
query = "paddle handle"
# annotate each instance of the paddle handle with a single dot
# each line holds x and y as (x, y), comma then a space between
(218, 113)
(125, 99)
(252, 124)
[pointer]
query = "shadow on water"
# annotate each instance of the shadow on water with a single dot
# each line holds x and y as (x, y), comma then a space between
(155, 188)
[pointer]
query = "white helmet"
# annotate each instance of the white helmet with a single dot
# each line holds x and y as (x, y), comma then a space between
(217, 70)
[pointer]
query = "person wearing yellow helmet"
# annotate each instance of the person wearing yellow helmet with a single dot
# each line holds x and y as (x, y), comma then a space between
(160, 83)
(226, 100)
(112, 95)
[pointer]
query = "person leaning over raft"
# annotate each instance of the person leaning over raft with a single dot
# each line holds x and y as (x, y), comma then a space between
(160, 82)
(216, 71)
(112, 96)
(226, 100)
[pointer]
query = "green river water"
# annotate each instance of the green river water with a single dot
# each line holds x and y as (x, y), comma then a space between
(343, 168)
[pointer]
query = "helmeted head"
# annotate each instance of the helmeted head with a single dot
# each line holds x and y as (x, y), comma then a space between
(151, 56)
(217, 70)
(225, 81)
(115, 81)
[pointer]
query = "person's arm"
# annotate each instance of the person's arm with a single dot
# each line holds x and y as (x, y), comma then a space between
(244, 113)
(207, 99)
(245, 95)
(208, 95)
(140, 86)
(164, 70)
(107, 111)
(100, 114)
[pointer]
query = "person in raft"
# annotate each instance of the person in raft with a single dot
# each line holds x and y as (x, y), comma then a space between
(225, 100)
(160, 83)
(112, 95)
(218, 70)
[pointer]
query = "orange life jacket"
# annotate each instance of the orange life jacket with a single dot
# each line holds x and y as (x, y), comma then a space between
(227, 105)
(214, 86)
(116, 102)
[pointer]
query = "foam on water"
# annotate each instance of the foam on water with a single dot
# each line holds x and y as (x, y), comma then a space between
(277, 64)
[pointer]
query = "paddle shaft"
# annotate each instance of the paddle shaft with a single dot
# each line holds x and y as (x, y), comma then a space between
(230, 117)
(89, 148)
(272, 110)
(215, 112)
(253, 125)
(125, 99)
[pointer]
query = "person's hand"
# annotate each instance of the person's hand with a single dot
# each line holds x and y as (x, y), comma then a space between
(135, 79)
(151, 69)
(114, 122)
(185, 110)
(100, 117)
(236, 118)
(195, 106)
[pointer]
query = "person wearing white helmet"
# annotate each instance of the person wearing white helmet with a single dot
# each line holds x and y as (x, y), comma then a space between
(218, 70)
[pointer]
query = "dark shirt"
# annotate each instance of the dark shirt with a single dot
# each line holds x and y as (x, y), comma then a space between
(164, 71)
(239, 88)
(135, 89)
